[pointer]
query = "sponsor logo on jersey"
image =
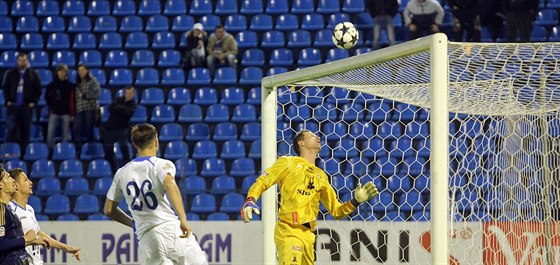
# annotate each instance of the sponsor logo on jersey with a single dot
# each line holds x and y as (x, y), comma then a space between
(2, 231)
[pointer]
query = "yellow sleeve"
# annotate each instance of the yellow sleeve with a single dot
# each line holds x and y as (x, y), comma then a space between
(337, 209)
(269, 177)
(2, 214)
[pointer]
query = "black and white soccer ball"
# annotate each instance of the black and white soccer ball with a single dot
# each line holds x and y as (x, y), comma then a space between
(345, 35)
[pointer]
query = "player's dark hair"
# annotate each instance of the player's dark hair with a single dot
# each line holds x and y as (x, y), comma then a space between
(299, 137)
(14, 172)
(143, 135)
(2, 173)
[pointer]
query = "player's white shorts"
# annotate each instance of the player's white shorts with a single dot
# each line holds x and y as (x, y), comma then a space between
(162, 246)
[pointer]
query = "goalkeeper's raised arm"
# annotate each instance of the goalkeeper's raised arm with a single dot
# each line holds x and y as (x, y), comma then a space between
(302, 186)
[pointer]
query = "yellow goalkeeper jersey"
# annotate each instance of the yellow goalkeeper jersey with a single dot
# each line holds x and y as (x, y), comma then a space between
(302, 186)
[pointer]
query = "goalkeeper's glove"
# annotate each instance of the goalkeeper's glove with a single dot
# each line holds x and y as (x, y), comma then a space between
(365, 193)
(248, 208)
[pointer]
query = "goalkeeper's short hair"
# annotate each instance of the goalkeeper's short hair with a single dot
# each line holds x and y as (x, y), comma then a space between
(299, 137)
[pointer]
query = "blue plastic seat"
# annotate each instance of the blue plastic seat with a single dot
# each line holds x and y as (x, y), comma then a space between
(255, 150)
(287, 22)
(226, 7)
(198, 76)
(246, 39)
(76, 186)
(309, 56)
(203, 203)
(179, 96)
(250, 132)
(251, 76)
(353, 6)
(91, 151)
(149, 7)
(157, 23)
(201, 7)
(84, 40)
(281, 57)
(232, 96)
(323, 38)
(205, 96)
(136, 40)
(11, 164)
(6, 24)
(225, 76)
(235, 23)
(169, 58)
(27, 24)
(176, 150)
(124, 8)
(336, 18)
(242, 167)
(244, 113)
(10, 150)
(174, 7)
(110, 40)
(116, 58)
(70, 168)
(312, 21)
(42, 168)
(217, 113)
(223, 185)
(86, 204)
(53, 24)
(105, 97)
(173, 76)
(190, 113)
(63, 151)
(105, 24)
(68, 217)
(99, 8)
(277, 7)
(22, 8)
(36, 151)
(302, 7)
(147, 77)
(182, 23)
(213, 167)
(99, 217)
(538, 34)
(152, 96)
(79, 24)
(547, 17)
(345, 147)
(73, 8)
(140, 115)
(162, 114)
(204, 149)
(210, 22)
(48, 186)
(32, 41)
(48, 8)
(99, 74)
(327, 6)
(8, 58)
(233, 149)
(261, 22)
(131, 24)
(230, 202)
(251, 7)
(254, 96)
(39, 58)
(58, 41)
(65, 57)
(142, 58)
(192, 185)
(170, 132)
(91, 58)
(197, 132)
(57, 204)
(99, 168)
(35, 202)
(247, 182)
(225, 131)
(253, 57)
(120, 77)
(186, 167)
(273, 39)
(299, 38)
(218, 216)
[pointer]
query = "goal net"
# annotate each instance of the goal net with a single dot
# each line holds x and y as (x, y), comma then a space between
(486, 194)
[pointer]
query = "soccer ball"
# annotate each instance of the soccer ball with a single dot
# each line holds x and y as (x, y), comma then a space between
(345, 35)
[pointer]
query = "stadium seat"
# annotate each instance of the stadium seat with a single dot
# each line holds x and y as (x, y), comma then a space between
(255, 151)
(8, 41)
(152, 96)
(42, 168)
(68, 217)
(186, 167)
(250, 132)
(101, 186)
(79, 24)
(199, 76)
(176, 150)
(217, 113)
(120, 77)
(247, 182)
(124, 8)
(65, 57)
(170, 58)
(312, 22)
(105, 24)
(6, 24)
(209, 22)
(149, 7)
(178, 96)
(252, 57)
(261, 22)
(48, 8)
(110, 40)
(27, 24)
(336, 18)
(10, 164)
(225, 76)
(86, 204)
(142, 58)
(173, 76)
(99, 8)
(204, 149)
(157, 23)
(328, 7)
(140, 115)
(226, 7)
(63, 151)
(244, 113)
(334, 131)
(281, 57)
(336, 54)
(301, 7)
(57, 204)
(137, 40)
(232, 96)
(242, 167)
(58, 41)
(99, 74)
(76, 186)
(131, 24)
(538, 34)
(246, 39)
(378, 111)
(222, 185)
(547, 17)
(84, 40)
(299, 38)
(98, 168)
(230, 202)
(299, 113)
(53, 24)
(212, 167)
(277, 7)
(345, 147)
(201, 7)
(353, 6)
(251, 76)
(22, 8)
(182, 23)
(163, 114)
(73, 8)
(174, 7)
(218, 216)
(205, 96)
(192, 185)
(98, 217)
(225, 131)
(197, 132)
(342, 184)
(273, 39)
(91, 58)
(235, 23)
(286, 22)
(48, 186)
(38, 58)
(251, 7)
(70, 168)
(147, 77)
(233, 149)
(190, 113)
(35, 202)
(36, 151)
(203, 203)
(91, 151)
(8, 58)
(170, 132)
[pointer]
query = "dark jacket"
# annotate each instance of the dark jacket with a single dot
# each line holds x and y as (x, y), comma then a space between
(60, 97)
(520, 6)
(120, 112)
(191, 41)
(12, 241)
(31, 86)
(464, 9)
(382, 7)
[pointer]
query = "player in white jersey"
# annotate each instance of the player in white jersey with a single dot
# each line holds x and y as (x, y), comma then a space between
(26, 215)
(164, 235)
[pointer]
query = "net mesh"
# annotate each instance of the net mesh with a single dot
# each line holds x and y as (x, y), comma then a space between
(504, 129)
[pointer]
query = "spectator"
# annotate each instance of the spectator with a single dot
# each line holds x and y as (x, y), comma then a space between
(491, 16)
(22, 90)
(117, 127)
(519, 18)
(222, 47)
(383, 12)
(60, 99)
(195, 45)
(422, 17)
(465, 13)
(87, 97)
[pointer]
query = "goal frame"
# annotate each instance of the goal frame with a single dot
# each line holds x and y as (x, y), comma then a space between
(439, 156)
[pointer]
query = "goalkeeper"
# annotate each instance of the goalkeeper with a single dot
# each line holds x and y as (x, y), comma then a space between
(302, 186)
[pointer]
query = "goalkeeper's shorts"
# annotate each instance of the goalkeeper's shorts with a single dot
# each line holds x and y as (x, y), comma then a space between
(294, 244)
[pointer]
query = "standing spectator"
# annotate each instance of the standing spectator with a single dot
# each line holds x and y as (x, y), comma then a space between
(195, 46)
(222, 47)
(383, 12)
(22, 90)
(60, 99)
(117, 127)
(519, 18)
(465, 13)
(87, 103)
(422, 17)
(491, 16)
